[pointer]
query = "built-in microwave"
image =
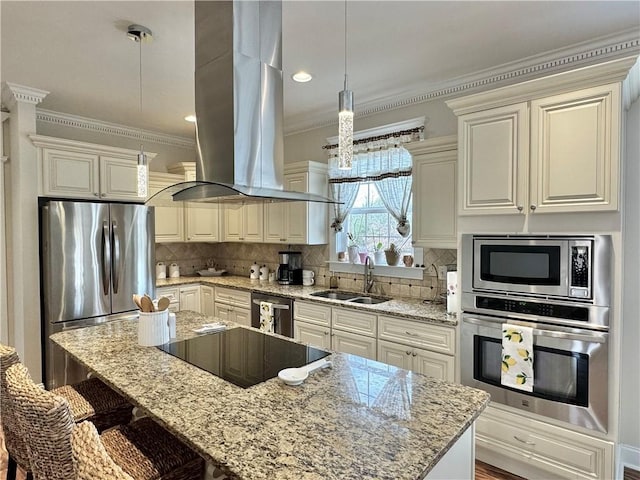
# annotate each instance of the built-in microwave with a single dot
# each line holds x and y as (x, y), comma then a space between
(571, 268)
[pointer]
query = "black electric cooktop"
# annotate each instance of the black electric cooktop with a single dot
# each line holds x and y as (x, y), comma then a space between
(241, 356)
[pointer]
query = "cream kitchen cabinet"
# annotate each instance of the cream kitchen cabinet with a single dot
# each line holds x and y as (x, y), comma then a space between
(299, 222)
(354, 332)
(173, 294)
(169, 220)
(207, 300)
(434, 192)
(420, 347)
(312, 323)
(243, 223)
(201, 220)
(73, 169)
(535, 449)
(190, 298)
(546, 145)
(233, 305)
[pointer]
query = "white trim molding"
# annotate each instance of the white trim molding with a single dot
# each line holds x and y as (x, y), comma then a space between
(383, 130)
(628, 456)
(631, 87)
(12, 93)
(108, 128)
(623, 44)
(42, 141)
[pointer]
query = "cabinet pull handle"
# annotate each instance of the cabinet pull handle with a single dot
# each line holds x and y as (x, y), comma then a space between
(411, 334)
(533, 208)
(524, 441)
(520, 208)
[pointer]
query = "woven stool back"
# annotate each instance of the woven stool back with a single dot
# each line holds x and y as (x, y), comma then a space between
(12, 435)
(47, 422)
(91, 460)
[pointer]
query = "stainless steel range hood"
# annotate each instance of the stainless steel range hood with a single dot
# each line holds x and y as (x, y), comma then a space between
(238, 94)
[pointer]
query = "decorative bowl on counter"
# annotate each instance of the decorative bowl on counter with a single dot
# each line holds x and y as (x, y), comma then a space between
(211, 272)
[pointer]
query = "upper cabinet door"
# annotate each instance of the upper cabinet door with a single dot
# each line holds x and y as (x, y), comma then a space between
(296, 215)
(253, 223)
(203, 223)
(494, 147)
(169, 220)
(575, 150)
(70, 174)
(274, 223)
(119, 179)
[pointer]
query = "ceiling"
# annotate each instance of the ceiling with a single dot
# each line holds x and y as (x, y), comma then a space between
(79, 51)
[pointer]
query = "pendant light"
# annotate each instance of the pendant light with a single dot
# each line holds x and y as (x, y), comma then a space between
(345, 113)
(139, 34)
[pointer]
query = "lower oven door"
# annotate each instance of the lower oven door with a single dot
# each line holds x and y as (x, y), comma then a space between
(569, 370)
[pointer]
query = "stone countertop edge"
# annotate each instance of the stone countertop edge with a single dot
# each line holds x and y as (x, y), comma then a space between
(410, 308)
(334, 426)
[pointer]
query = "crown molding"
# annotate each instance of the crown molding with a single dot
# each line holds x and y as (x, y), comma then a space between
(622, 44)
(43, 141)
(13, 93)
(107, 128)
(433, 145)
(631, 88)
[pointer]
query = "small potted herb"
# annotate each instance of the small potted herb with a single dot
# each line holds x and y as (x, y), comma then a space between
(378, 254)
(352, 248)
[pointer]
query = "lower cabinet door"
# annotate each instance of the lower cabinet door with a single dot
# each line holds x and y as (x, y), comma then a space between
(395, 354)
(311, 334)
(241, 316)
(206, 299)
(355, 344)
(433, 364)
(223, 312)
(190, 298)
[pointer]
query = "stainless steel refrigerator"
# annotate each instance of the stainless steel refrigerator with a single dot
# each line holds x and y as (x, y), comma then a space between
(94, 257)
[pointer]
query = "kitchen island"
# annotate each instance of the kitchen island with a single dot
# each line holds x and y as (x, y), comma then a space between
(360, 419)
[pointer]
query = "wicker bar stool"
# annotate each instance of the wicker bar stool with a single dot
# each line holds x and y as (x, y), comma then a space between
(141, 450)
(89, 400)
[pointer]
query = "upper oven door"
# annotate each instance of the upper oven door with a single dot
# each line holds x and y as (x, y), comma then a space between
(529, 266)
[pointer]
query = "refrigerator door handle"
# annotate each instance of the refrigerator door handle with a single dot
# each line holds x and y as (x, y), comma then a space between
(106, 257)
(116, 255)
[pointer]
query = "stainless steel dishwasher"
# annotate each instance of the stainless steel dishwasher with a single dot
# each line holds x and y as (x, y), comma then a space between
(282, 312)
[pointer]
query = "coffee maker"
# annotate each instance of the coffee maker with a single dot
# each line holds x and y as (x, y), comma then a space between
(290, 269)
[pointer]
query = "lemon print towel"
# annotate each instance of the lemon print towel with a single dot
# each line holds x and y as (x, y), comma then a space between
(517, 357)
(266, 316)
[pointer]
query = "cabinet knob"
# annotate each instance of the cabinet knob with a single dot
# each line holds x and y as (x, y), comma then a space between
(104, 195)
(326, 333)
(520, 208)
(414, 354)
(533, 208)
(96, 194)
(188, 238)
(408, 352)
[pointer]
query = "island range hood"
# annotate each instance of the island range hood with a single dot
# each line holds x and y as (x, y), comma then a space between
(239, 107)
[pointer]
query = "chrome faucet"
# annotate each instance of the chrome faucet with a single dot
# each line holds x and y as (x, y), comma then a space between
(368, 275)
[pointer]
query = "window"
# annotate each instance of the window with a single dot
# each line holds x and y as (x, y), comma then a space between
(370, 222)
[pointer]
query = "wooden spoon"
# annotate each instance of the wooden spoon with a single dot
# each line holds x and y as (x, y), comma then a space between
(147, 304)
(163, 304)
(136, 300)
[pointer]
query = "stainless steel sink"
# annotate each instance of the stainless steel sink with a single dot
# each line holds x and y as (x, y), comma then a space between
(350, 297)
(368, 300)
(335, 295)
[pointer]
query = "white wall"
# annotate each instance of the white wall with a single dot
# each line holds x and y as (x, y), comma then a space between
(167, 154)
(630, 349)
(439, 121)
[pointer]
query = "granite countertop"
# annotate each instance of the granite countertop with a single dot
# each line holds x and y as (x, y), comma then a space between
(411, 308)
(359, 420)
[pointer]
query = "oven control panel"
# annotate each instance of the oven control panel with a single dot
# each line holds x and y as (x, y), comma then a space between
(568, 312)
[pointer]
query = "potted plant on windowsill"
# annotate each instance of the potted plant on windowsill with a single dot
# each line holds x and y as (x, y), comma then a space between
(352, 248)
(392, 254)
(378, 254)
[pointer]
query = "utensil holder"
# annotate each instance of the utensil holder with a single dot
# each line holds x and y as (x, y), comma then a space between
(153, 328)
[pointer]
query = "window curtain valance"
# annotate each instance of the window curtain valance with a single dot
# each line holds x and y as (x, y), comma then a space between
(382, 160)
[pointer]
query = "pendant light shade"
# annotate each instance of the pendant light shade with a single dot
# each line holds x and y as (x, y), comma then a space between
(139, 34)
(345, 113)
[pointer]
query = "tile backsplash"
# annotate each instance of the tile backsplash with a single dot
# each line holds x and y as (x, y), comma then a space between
(237, 258)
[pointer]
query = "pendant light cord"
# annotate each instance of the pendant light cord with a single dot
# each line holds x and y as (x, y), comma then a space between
(345, 44)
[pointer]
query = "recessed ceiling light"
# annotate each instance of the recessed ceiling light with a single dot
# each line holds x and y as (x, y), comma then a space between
(302, 77)
(190, 118)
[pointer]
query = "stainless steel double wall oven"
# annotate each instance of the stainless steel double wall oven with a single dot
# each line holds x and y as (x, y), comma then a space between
(560, 286)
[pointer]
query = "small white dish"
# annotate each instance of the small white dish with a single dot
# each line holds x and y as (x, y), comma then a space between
(295, 376)
(211, 273)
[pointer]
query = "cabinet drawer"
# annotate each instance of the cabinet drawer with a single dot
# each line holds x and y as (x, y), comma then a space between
(312, 313)
(352, 321)
(172, 293)
(558, 451)
(230, 296)
(432, 337)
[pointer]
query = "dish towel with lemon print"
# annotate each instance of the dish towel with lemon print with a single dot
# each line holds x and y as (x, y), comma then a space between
(266, 317)
(517, 357)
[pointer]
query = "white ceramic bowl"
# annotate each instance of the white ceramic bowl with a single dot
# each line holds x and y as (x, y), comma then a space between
(293, 376)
